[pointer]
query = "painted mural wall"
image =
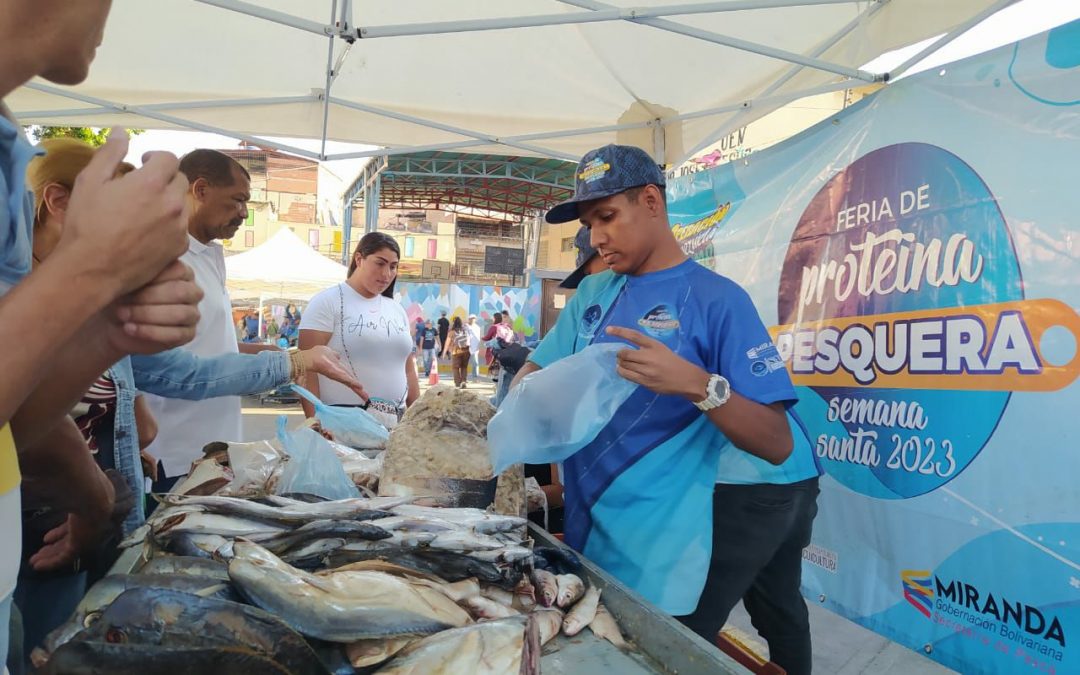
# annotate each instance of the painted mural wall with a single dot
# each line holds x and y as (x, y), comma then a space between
(429, 299)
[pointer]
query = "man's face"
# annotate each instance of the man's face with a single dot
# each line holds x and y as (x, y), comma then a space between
(71, 32)
(222, 209)
(620, 230)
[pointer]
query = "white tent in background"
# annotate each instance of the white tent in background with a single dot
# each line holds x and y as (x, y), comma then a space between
(535, 77)
(282, 268)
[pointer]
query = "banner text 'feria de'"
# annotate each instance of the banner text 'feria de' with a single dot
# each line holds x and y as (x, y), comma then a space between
(917, 258)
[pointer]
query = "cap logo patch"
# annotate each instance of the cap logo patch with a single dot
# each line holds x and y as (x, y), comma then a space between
(594, 170)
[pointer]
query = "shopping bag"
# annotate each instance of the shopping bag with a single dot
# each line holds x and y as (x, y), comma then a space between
(313, 467)
(433, 379)
(350, 426)
(554, 412)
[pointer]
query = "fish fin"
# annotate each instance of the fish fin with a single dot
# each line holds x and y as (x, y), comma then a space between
(530, 650)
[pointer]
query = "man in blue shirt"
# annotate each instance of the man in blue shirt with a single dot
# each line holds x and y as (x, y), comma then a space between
(714, 401)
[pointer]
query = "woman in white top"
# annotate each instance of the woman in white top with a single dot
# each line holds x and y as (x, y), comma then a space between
(360, 319)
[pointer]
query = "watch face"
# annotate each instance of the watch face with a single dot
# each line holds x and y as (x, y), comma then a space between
(719, 387)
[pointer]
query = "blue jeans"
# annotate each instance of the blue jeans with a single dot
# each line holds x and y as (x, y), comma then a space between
(429, 361)
(5, 623)
(474, 365)
(46, 603)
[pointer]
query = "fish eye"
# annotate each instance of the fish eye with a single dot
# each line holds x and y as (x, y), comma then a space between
(90, 619)
(115, 636)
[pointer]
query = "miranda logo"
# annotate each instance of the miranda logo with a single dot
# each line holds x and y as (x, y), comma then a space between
(1016, 620)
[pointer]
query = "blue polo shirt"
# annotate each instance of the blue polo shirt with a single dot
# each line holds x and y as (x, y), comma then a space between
(639, 497)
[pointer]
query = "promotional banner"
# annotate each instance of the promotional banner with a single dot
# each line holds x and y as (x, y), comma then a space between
(917, 258)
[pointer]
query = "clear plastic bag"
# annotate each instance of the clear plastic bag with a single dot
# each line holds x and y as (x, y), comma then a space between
(556, 411)
(353, 427)
(313, 467)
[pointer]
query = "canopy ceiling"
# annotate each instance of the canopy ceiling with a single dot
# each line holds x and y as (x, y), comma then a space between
(524, 77)
(283, 267)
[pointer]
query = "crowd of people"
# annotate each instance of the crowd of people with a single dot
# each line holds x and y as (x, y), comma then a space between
(700, 492)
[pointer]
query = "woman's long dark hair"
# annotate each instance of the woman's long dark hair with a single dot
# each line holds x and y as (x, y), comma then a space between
(370, 244)
(457, 325)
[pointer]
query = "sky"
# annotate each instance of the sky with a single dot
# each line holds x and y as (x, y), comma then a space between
(1023, 19)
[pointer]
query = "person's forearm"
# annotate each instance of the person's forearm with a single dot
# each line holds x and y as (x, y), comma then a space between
(255, 347)
(759, 429)
(178, 373)
(412, 379)
(72, 368)
(312, 385)
(41, 314)
(526, 369)
(59, 471)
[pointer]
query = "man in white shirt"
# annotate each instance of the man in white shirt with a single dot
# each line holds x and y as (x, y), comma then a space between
(217, 198)
(476, 334)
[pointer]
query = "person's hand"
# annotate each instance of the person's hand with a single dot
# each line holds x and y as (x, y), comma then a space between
(126, 229)
(161, 315)
(654, 366)
(149, 465)
(326, 362)
(77, 535)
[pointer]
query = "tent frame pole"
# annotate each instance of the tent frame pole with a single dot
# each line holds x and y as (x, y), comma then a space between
(948, 37)
(736, 43)
(179, 105)
(273, 16)
(600, 16)
(825, 46)
(169, 119)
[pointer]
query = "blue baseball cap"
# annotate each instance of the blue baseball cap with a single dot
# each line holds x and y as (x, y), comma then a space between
(585, 253)
(604, 172)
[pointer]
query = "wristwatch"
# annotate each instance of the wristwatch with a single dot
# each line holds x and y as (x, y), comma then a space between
(718, 391)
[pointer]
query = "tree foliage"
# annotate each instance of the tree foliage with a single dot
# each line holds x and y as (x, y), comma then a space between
(91, 135)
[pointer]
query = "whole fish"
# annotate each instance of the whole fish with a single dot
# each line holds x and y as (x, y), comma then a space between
(104, 658)
(295, 513)
(321, 529)
(546, 585)
(205, 546)
(571, 587)
(364, 653)
(311, 554)
(101, 595)
(583, 613)
(476, 519)
(549, 622)
(372, 503)
(214, 523)
(341, 607)
(605, 627)
(499, 595)
(168, 618)
(499, 647)
(443, 564)
(485, 608)
(186, 565)
(506, 554)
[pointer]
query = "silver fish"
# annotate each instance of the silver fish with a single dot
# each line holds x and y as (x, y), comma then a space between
(364, 653)
(605, 627)
(546, 585)
(293, 514)
(499, 595)
(550, 623)
(476, 519)
(186, 565)
(320, 529)
(316, 548)
(340, 606)
(214, 523)
(583, 613)
(485, 608)
(101, 595)
(571, 587)
(510, 645)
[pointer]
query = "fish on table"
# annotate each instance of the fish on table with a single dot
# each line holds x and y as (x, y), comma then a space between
(510, 645)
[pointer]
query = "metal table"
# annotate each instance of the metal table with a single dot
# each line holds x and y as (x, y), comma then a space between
(663, 644)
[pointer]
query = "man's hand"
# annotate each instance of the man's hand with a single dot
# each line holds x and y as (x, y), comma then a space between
(326, 362)
(63, 544)
(654, 366)
(161, 315)
(126, 229)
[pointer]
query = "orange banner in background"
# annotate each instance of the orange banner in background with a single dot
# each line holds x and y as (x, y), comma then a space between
(992, 347)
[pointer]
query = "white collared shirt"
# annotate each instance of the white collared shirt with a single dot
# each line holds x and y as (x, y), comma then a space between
(184, 427)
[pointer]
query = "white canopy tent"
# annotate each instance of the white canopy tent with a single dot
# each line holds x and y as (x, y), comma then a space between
(282, 268)
(535, 77)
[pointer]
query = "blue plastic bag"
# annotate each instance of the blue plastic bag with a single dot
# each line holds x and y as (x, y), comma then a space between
(350, 426)
(556, 411)
(313, 467)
